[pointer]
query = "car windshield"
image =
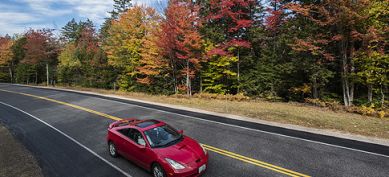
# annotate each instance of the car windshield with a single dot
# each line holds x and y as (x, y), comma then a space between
(162, 136)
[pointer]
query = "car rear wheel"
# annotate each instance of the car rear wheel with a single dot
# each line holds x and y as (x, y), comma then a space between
(112, 150)
(158, 171)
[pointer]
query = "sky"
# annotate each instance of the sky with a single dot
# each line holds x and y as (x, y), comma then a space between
(17, 16)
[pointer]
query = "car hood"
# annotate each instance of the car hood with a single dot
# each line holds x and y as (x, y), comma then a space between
(188, 151)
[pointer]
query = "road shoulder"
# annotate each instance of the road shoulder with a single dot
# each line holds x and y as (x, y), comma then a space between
(15, 159)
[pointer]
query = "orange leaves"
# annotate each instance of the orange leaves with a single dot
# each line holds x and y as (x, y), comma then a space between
(338, 37)
(152, 63)
(313, 47)
(302, 45)
(299, 9)
(6, 53)
(340, 23)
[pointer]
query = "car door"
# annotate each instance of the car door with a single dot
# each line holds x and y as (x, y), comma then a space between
(122, 144)
(137, 147)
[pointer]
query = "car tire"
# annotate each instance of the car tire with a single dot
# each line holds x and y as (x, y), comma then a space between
(158, 171)
(112, 150)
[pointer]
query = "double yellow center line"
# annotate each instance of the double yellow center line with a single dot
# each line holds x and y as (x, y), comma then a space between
(208, 147)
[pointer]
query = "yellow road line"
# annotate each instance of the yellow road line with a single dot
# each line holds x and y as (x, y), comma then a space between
(67, 104)
(254, 161)
(208, 147)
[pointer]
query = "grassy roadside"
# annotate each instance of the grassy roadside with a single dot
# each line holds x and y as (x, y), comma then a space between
(289, 113)
(15, 160)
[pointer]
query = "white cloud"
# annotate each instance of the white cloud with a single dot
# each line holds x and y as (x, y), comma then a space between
(9, 17)
(15, 22)
(44, 7)
(20, 15)
(96, 10)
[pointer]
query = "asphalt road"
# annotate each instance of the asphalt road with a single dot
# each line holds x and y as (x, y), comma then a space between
(66, 133)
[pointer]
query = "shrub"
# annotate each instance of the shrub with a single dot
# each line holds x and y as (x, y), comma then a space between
(238, 97)
(4, 77)
(332, 104)
(367, 111)
(381, 114)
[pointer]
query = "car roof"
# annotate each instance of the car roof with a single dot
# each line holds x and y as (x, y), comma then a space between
(144, 125)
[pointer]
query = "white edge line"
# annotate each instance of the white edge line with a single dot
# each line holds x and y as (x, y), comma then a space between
(236, 126)
(72, 139)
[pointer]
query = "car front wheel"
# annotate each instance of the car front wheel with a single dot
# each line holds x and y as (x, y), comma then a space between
(112, 150)
(158, 171)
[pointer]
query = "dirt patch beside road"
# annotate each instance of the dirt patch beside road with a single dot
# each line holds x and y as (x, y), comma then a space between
(15, 159)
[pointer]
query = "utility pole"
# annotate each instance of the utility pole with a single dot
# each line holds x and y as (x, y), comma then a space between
(47, 74)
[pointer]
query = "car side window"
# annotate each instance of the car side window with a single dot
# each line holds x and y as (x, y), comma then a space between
(136, 136)
(124, 131)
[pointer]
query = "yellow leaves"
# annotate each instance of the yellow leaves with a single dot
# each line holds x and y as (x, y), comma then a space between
(132, 44)
(304, 89)
(126, 36)
(6, 53)
(381, 114)
(67, 57)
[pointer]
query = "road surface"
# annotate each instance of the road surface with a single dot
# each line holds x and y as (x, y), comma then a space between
(66, 132)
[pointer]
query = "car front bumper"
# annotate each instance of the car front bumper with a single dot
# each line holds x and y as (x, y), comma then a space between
(191, 171)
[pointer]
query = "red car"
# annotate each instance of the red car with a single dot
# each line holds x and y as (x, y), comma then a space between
(157, 147)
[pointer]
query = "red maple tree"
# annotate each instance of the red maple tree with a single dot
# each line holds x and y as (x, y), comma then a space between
(181, 42)
(234, 17)
(38, 46)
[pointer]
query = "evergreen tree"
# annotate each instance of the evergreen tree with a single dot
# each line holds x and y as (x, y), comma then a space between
(119, 7)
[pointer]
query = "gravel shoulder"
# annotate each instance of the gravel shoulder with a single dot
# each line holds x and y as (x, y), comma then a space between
(15, 159)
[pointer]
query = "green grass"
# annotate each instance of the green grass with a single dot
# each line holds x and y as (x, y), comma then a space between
(289, 113)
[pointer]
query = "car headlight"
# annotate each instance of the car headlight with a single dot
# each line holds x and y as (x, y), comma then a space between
(174, 164)
(205, 150)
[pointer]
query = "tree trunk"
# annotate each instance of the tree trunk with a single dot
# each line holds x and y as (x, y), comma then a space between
(370, 93)
(315, 92)
(351, 98)
(188, 84)
(345, 98)
(36, 77)
(382, 96)
(47, 74)
(352, 70)
(173, 73)
(345, 86)
(201, 83)
(238, 70)
(10, 74)
(347, 90)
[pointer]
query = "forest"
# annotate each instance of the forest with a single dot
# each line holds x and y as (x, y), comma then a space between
(316, 51)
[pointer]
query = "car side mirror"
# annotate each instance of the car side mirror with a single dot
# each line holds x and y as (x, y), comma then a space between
(181, 132)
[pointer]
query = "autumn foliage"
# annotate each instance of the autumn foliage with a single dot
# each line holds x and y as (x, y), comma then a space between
(6, 53)
(39, 47)
(273, 49)
(181, 42)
